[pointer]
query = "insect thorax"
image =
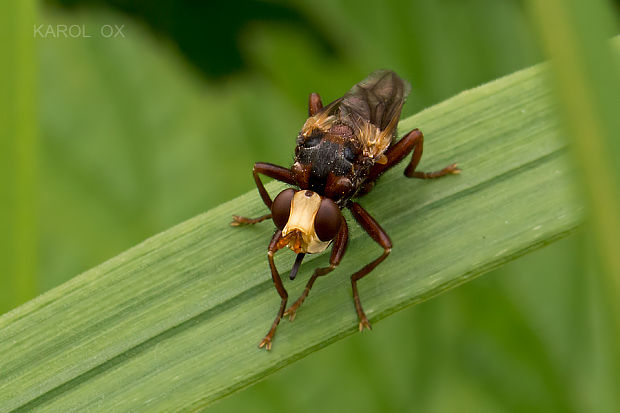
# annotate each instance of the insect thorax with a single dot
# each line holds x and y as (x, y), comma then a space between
(325, 159)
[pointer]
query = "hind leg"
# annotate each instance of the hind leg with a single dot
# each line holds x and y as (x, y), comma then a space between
(413, 141)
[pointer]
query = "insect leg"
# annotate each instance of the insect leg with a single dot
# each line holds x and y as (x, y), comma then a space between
(338, 250)
(239, 220)
(272, 171)
(277, 281)
(377, 233)
(418, 144)
(314, 104)
(414, 140)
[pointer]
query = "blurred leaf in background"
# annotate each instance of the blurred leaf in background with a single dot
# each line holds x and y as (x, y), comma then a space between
(140, 132)
(18, 158)
(586, 77)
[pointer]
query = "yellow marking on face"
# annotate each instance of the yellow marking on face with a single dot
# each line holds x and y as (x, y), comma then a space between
(304, 207)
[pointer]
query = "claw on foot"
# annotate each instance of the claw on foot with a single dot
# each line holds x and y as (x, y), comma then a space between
(364, 324)
(266, 342)
(453, 169)
(237, 221)
(291, 312)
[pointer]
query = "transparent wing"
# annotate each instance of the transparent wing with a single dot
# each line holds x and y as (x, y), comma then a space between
(371, 109)
(378, 99)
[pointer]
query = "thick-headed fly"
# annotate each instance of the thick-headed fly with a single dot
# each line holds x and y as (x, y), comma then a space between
(341, 151)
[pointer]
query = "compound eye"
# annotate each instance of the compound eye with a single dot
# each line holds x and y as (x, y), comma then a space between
(281, 207)
(327, 220)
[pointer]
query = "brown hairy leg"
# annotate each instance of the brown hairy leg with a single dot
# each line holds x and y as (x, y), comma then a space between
(272, 171)
(377, 233)
(314, 104)
(413, 141)
(277, 281)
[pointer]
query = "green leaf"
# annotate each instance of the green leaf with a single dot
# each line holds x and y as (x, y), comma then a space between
(174, 322)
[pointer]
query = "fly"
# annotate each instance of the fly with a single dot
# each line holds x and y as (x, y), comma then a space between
(341, 151)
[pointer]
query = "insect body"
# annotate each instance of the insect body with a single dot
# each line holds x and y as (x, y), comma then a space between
(341, 151)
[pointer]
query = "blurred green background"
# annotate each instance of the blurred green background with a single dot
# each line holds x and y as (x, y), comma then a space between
(139, 131)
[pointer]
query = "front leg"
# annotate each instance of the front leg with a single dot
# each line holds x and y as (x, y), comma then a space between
(272, 171)
(240, 220)
(277, 281)
(338, 249)
(377, 233)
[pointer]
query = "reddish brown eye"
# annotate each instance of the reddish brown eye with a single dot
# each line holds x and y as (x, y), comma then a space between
(328, 219)
(281, 207)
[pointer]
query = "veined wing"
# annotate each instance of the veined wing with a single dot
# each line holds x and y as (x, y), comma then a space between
(371, 109)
